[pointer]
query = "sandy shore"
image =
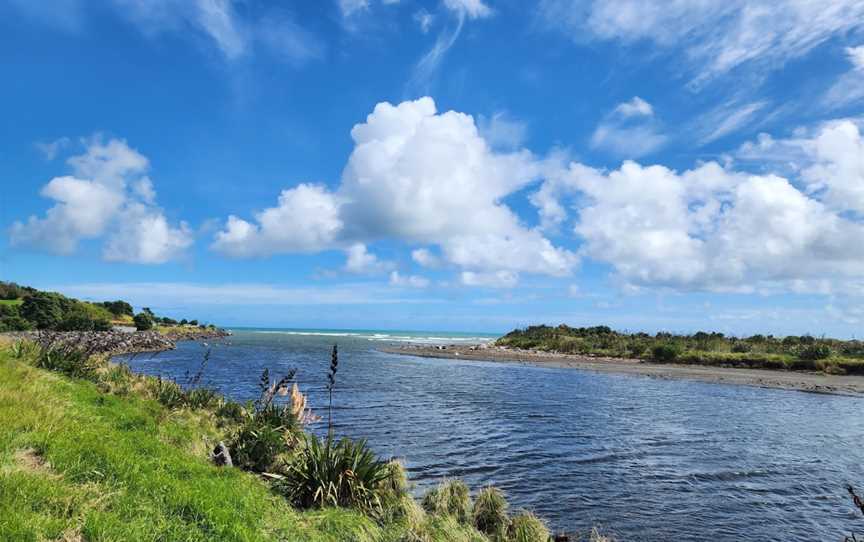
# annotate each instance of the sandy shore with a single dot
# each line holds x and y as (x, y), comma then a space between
(787, 380)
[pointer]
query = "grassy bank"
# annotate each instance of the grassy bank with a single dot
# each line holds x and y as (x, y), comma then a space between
(110, 455)
(792, 353)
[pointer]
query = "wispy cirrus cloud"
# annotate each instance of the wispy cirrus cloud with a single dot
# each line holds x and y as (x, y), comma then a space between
(849, 88)
(427, 67)
(712, 38)
(726, 119)
(233, 32)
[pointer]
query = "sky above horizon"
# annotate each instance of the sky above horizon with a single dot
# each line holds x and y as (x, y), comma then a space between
(463, 165)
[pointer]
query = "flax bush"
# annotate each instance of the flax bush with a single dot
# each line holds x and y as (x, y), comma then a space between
(329, 473)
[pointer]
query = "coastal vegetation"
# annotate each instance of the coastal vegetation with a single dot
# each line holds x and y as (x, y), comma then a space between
(90, 450)
(23, 308)
(795, 353)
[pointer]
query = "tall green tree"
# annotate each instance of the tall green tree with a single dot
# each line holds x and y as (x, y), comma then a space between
(143, 321)
(43, 309)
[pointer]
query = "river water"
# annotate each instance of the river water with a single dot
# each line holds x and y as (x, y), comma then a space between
(643, 458)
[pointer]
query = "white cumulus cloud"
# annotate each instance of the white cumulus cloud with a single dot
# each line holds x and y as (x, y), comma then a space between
(110, 196)
(306, 219)
(635, 107)
(361, 261)
(493, 279)
(145, 236)
(721, 229)
(417, 176)
(630, 130)
(425, 257)
(472, 8)
(411, 281)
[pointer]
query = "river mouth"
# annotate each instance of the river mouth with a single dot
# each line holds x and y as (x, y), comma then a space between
(646, 459)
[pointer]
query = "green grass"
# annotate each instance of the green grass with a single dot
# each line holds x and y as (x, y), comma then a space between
(11, 302)
(80, 464)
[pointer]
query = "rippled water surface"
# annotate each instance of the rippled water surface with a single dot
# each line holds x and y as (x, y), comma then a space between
(647, 459)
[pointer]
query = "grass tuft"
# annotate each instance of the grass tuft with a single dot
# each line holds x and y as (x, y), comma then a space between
(450, 498)
(490, 513)
(526, 527)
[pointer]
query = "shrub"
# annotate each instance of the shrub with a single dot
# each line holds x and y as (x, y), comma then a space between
(741, 347)
(450, 498)
(11, 290)
(8, 311)
(22, 349)
(101, 324)
(117, 378)
(143, 321)
(75, 321)
(636, 349)
(94, 310)
(256, 445)
(167, 392)
(14, 323)
(42, 309)
(267, 430)
(68, 360)
(490, 513)
(329, 473)
(816, 351)
(665, 352)
(230, 411)
(202, 398)
(118, 308)
(526, 527)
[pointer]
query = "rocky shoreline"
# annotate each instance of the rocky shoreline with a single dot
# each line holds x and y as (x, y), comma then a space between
(116, 342)
(788, 380)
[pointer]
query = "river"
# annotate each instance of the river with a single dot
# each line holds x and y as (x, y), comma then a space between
(645, 459)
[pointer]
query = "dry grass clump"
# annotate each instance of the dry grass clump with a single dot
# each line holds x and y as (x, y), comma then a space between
(526, 527)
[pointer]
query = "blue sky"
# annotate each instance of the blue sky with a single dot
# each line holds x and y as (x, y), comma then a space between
(451, 165)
